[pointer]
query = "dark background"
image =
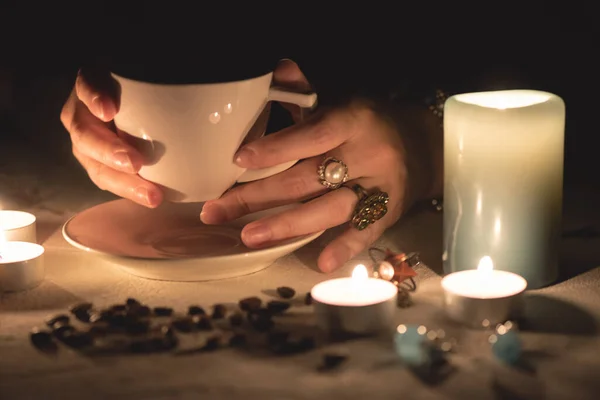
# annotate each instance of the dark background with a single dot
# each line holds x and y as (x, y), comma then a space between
(373, 49)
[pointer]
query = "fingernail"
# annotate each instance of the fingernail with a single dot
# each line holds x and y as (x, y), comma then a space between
(212, 214)
(147, 197)
(109, 110)
(328, 265)
(123, 161)
(256, 235)
(244, 157)
(283, 60)
(97, 108)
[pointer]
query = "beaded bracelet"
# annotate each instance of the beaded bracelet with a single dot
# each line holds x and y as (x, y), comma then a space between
(434, 100)
(435, 103)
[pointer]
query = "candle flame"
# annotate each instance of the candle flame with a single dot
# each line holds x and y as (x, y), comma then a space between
(486, 264)
(360, 272)
(504, 99)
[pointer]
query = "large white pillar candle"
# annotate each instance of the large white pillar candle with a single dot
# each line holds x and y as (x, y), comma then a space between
(503, 160)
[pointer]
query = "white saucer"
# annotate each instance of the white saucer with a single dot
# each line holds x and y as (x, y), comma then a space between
(170, 243)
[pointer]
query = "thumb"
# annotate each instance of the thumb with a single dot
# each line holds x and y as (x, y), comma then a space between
(287, 74)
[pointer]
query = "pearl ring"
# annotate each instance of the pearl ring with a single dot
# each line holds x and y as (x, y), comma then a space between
(333, 173)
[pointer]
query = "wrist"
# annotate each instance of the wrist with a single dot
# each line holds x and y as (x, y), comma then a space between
(419, 131)
(427, 124)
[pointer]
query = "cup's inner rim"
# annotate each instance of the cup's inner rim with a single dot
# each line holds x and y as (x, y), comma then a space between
(143, 82)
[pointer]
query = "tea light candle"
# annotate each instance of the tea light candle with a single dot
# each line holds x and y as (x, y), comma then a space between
(356, 305)
(18, 226)
(503, 167)
(483, 297)
(21, 265)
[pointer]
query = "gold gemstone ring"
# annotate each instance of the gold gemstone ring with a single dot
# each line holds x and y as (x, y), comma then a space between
(370, 208)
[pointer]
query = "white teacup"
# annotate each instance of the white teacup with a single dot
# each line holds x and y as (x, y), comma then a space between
(189, 133)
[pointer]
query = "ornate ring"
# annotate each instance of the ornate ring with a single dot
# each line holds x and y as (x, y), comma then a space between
(397, 268)
(333, 173)
(370, 207)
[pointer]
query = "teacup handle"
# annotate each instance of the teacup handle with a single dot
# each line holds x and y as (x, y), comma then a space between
(302, 100)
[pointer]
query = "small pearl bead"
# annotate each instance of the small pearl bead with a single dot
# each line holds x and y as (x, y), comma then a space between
(386, 270)
(334, 172)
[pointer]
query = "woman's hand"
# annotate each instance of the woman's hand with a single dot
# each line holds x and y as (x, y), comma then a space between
(111, 163)
(370, 146)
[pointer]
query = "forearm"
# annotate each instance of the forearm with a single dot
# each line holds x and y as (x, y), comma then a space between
(422, 136)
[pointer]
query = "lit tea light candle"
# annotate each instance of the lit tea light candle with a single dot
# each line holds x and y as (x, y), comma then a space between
(21, 265)
(18, 226)
(483, 297)
(357, 305)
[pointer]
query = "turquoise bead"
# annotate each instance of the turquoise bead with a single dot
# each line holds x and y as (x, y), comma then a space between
(507, 347)
(410, 345)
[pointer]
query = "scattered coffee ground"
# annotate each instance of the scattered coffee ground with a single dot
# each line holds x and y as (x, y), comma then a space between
(118, 308)
(286, 292)
(163, 311)
(61, 319)
(183, 324)
(250, 304)
(202, 322)
(236, 319)
(237, 340)
(261, 319)
(136, 328)
(404, 299)
(219, 311)
(308, 299)
(333, 360)
(212, 343)
(196, 310)
(82, 311)
(277, 307)
(81, 307)
(43, 340)
(130, 302)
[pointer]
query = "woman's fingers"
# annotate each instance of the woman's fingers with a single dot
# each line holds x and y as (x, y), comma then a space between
(330, 210)
(352, 242)
(122, 184)
(111, 163)
(327, 211)
(98, 93)
(93, 138)
(296, 184)
(316, 136)
(299, 183)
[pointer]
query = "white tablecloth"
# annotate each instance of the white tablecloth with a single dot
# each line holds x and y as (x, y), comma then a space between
(563, 346)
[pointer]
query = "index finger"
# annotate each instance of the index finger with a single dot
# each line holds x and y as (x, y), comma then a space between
(318, 135)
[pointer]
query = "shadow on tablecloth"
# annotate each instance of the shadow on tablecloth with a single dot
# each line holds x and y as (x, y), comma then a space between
(46, 296)
(545, 314)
